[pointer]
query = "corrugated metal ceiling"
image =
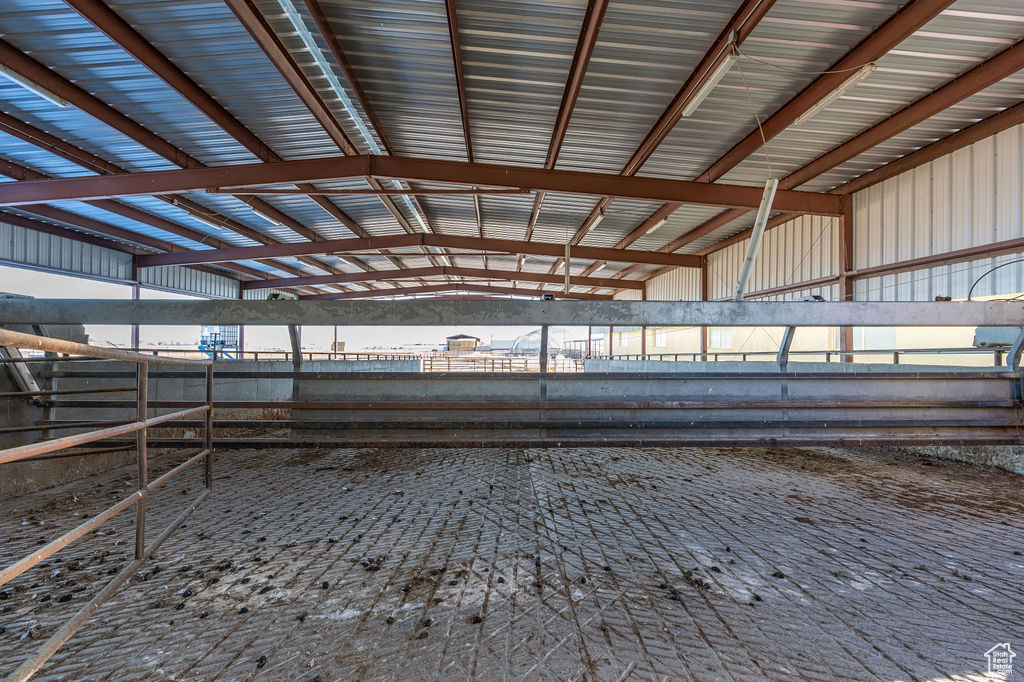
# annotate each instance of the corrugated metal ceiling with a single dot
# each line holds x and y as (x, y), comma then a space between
(516, 57)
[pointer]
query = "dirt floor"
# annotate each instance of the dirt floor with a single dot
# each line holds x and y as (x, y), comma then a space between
(610, 564)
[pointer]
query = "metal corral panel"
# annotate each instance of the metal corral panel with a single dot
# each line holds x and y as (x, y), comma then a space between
(680, 284)
(968, 198)
(189, 280)
(802, 249)
(28, 247)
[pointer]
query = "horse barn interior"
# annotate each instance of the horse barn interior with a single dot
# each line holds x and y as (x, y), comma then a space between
(520, 339)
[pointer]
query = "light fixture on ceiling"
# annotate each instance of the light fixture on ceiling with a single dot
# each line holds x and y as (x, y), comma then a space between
(860, 75)
(597, 220)
(210, 223)
(655, 226)
(711, 81)
(32, 87)
(264, 216)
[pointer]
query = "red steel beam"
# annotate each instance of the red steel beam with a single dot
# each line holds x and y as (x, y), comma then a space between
(316, 11)
(136, 45)
(897, 28)
(21, 63)
(367, 192)
(456, 287)
(55, 145)
(416, 240)
(409, 168)
(979, 131)
(334, 45)
(740, 26)
(460, 77)
(973, 253)
(483, 273)
(91, 225)
(911, 17)
(939, 259)
(252, 20)
(577, 71)
(589, 31)
(989, 72)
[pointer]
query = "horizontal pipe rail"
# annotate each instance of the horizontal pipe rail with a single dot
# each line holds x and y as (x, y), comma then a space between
(628, 437)
(580, 404)
(44, 343)
(59, 425)
(160, 480)
(68, 391)
(65, 632)
(79, 453)
(54, 546)
(61, 446)
(24, 451)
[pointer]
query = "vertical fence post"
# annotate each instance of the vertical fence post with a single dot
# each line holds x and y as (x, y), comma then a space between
(543, 348)
(208, 428)
(787, 340)
(141, 411)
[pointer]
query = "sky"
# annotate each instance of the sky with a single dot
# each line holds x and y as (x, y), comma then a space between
(51, 285)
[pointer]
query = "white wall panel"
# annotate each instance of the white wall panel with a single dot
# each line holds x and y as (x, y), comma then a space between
(971, 197)
(680, 284)
(802, 249)
(191, 281)
(22, 246)
(19, 245)
(629, 295)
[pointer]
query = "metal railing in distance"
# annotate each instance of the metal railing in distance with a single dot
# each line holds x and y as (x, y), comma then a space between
(888, 355)
(45, 449)
(445, 362)
(190, 353)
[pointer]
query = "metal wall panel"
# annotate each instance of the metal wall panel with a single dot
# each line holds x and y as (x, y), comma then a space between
(680, 284)
(971, 197)
(38, 249)
(629, 295)
(21, 246)
(189, 280)
(803, 249)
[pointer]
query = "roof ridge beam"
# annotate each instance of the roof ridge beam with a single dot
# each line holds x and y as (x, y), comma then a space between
(484, 273)
(430, 170)
(454, 288)
(415, 240)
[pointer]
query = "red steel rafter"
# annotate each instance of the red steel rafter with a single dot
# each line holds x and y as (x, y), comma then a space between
(415, 240)
(456, 287)
(411, 168)
(989, 72)
(740, 26)
(480, 273)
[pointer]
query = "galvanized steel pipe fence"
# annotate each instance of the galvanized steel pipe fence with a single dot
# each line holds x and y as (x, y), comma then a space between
(63, 447)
